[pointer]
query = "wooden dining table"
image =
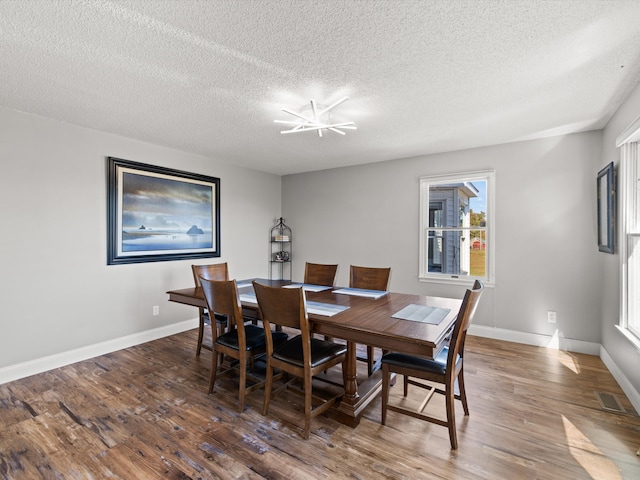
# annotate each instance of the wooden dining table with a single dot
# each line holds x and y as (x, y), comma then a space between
(365, 320)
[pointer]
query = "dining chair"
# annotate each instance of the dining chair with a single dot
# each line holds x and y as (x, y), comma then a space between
(369, 278)
(242, 342)
(302, 356)
(444, 369)
(214, 271)
(320, 274)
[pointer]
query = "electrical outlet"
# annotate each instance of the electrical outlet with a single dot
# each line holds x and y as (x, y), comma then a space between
(156, 310)
(551, 316)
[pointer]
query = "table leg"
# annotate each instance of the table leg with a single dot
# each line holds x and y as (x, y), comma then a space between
(356, 397)
(351, 383)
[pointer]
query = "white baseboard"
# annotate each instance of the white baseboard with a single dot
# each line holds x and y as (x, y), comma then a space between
(39, 365)
(625, 384)
(566, 344)
(548, 341)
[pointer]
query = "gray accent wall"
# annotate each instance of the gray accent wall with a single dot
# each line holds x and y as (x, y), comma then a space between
(545, 233)
(58, 294)
(625, 356)
(546, 248)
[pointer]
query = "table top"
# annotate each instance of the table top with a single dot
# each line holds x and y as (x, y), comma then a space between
(367, 320)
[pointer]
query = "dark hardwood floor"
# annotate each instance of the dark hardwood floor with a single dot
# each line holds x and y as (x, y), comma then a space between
(143, 413)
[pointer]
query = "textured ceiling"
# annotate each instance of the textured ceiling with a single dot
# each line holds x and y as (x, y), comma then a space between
(210, 77)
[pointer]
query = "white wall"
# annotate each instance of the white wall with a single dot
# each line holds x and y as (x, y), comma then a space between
(57, 292)
(624, 355)
(547, 256)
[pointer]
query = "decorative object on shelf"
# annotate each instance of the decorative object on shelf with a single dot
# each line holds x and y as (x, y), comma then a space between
(280, 251)
(282, 256)
(314, 121)
(606, 208)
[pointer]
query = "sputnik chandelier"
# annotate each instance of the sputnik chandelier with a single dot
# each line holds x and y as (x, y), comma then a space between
(314, 121)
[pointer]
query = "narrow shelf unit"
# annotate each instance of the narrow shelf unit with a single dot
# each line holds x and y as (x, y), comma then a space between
(280, 243)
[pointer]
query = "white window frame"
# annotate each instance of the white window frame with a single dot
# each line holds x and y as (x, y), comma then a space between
(447, 278)
(629, 225)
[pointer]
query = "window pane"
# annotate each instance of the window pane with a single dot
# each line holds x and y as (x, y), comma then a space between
(436, 248)
(478, 253)
(444, 251)
(457, 252)
(633, 284)
(455, 222)
(452, 203)
(460, 204)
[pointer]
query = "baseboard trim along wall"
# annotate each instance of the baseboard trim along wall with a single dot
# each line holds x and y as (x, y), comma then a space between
(625, 384)
(39, 365)
(556, 342)
(566, 344)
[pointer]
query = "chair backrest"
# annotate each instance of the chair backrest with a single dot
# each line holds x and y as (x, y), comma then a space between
(222, 298)
(369, 278)
(465, 315)
(214, 271)
(320, 274)
(285, 307)
(282, 306)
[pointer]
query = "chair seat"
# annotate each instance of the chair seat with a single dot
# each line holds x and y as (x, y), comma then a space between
(220, 319)
(321, 351)
(254, 335)
(438, 365)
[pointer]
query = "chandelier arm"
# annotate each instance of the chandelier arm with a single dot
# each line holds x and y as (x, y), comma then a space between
(310, 124)
(310, 120)
(291, 122)
(304, 129)
(315, 115)
(348, 125)
(333, 106)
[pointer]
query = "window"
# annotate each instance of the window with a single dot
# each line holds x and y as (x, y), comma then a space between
(629, 176)
(456, 227)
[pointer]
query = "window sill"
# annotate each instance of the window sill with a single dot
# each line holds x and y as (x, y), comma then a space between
(450, 280)
(635, 341)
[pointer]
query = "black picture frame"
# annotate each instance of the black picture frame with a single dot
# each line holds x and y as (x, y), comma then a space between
(157, 214)
(606, 187)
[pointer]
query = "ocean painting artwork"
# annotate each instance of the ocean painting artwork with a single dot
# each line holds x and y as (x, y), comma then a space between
(165, 214)
(162, 214)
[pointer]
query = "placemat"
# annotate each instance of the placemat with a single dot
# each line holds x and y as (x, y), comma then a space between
(422, 313)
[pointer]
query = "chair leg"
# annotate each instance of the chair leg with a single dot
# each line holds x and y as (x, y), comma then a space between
(463, 393)
(243, 382)
(370, 360)
(385, 392)
(267, 389)
(221, 329)
(406, 384)
(214, 370)
(451, 416)
(307, 407)
(200, 332)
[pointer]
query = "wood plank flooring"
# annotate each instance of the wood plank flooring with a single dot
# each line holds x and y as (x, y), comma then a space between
(143, 413)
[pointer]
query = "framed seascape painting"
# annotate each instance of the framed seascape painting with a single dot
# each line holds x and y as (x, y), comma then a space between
(158, 214)
(606, 208)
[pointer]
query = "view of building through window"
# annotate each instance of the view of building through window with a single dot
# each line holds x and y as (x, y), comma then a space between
(455, 230)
